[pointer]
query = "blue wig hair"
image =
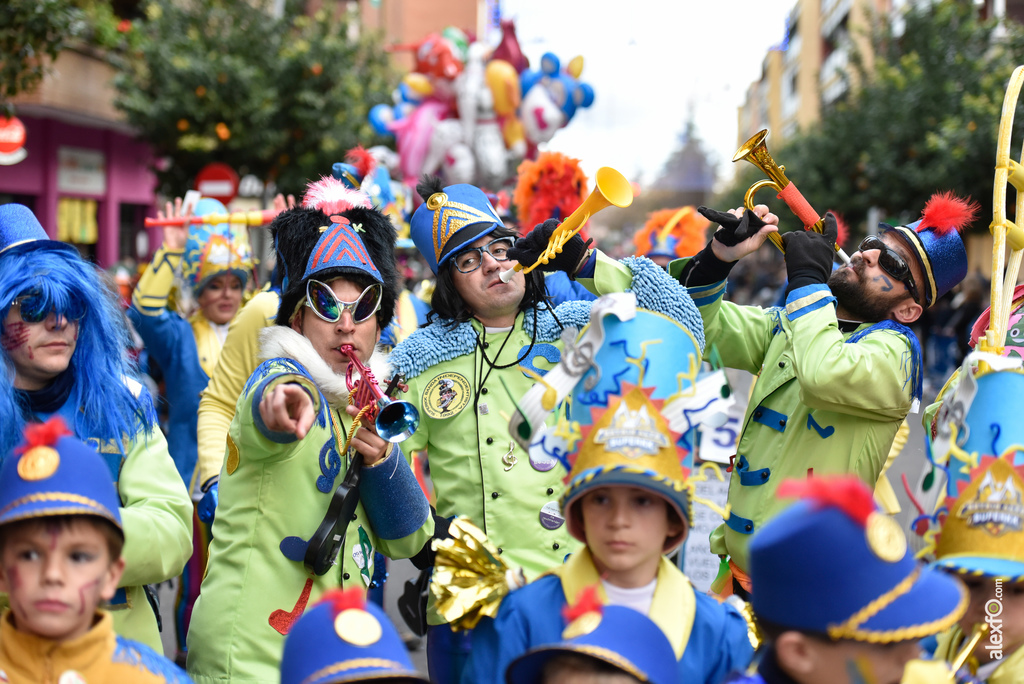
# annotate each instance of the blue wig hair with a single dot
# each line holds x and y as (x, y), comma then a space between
(108, 409)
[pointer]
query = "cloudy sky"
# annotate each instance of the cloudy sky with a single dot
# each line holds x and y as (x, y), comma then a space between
(650, 62)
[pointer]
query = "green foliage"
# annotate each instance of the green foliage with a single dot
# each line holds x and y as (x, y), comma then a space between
(31, 31)
(222, 80)
(925, 120)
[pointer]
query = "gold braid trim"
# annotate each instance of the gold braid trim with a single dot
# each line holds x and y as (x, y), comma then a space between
(612, 658)
(63, 497)
(849, 629)
(357, 663)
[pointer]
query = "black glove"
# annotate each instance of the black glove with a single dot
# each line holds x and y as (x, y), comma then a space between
(809, 254)
(529, 248)
(705, 268)
(734, 229)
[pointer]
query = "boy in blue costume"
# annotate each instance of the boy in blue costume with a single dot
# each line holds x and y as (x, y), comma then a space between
(65, 344)
(60, 544)
(629, 501)
(837, 595)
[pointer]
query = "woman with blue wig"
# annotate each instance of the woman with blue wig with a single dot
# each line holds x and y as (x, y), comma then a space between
(63, 344)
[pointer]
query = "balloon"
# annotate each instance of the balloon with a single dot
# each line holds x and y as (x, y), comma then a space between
(503, 81)
(508, 49)
(412, 135)
(381, 116)
(551, 97)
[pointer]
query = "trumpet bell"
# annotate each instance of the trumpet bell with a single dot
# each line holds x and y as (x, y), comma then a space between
(614, 187)
(397, 421)
(756, 141)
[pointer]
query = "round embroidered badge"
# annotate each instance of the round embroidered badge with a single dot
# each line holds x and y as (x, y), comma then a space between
(446, 395)
(885, 537)
(38, 463)
(357, 627)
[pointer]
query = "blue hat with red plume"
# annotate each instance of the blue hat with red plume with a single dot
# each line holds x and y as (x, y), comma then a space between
(52, 473)
(614, 635)
(834, 541)
(935, 243)
(345, 639)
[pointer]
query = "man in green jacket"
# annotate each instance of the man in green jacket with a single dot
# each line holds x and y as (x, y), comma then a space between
(838, 367)
(486, 343)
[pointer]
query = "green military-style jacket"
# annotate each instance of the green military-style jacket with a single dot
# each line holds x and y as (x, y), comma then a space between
(826, 402)
(274, 493)
(465, 380)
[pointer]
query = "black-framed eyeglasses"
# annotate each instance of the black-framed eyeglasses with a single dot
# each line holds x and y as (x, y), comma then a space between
(34, 308)
(890, 261)
(325, 304)
(468, 260)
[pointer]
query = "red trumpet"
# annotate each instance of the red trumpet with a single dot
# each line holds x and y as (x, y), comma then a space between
(395, 420)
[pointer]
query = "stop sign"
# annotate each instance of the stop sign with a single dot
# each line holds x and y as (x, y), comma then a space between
(217, 181)
(12, 141)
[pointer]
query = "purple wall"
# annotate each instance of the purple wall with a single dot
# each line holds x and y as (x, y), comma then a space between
(128, 179)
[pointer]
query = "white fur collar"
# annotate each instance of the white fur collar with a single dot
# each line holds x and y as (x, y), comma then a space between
(278, 341)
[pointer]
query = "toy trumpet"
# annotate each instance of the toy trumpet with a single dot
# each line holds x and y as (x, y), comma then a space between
(756, 152)
(245, 218)
(980, 632)
(1003, 230)
(395, 420)
(611, 188)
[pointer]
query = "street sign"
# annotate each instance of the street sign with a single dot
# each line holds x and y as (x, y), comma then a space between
(217, 181)
(12, 141)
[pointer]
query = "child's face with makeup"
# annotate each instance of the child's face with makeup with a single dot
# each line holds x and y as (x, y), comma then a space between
(56, 575)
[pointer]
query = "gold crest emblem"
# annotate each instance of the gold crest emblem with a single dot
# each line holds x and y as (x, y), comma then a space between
(38, 463)
(885, 537)
(357, 627)
(584, 624)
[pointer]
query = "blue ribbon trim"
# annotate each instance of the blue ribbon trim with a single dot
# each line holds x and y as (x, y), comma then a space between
(740, 524)
(751, 478)
(770, 419)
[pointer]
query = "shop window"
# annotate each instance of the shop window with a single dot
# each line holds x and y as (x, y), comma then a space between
(131, 223)
(77, 224)
(28, 200)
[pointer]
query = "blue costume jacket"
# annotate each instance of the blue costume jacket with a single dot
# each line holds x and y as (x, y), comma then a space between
(710, 638)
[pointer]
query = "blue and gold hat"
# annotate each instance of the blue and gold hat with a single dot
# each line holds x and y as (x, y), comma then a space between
(53, 473)
(935, 243)
(835, 541)
(449, 220)
(615, 635)
(625, 439)
(213, 249)
(345, 639)
(20, 231)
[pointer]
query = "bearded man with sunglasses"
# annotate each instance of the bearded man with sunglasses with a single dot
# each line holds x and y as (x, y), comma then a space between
(485, 343)
(63, 346)
(286, 488)
(838, 368)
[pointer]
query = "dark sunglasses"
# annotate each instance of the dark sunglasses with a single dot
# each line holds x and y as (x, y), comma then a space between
(469, 260)
(890, 261)
(325, 304)
(34, 308)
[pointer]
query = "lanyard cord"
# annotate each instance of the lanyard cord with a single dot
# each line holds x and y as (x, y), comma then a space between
(491, 365)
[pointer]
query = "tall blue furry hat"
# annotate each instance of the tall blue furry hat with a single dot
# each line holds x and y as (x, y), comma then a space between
(345, 639)
(835, 540)
(449, 219)
(20, 231)
(935, 242)
(31, 264)
(614, 635)
(52, 473)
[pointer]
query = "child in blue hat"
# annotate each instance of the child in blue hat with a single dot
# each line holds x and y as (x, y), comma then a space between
(60, 558)
(837, 596)
(344, 639)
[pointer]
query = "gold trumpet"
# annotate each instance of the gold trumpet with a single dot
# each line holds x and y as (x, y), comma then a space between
(611, 188)
(980, 632)
(756, 152)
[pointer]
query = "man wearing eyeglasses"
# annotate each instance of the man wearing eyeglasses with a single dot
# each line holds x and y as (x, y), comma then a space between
(838, 367)
(294, 443)
(485, 343)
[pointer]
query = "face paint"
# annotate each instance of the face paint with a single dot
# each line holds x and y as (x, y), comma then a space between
(14, 336)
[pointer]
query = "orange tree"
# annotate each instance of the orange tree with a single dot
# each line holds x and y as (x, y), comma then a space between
(225, 80)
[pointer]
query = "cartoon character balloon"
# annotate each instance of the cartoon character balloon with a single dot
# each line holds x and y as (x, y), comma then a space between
(551, 97)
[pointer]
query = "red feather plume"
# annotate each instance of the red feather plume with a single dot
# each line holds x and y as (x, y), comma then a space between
(842, 228)
(360, 158)
(847, 493)
(342, 600)
(587, 601)
(945, 212)
(43, 434)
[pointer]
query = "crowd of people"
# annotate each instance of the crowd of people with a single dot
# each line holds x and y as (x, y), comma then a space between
(551, 394)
